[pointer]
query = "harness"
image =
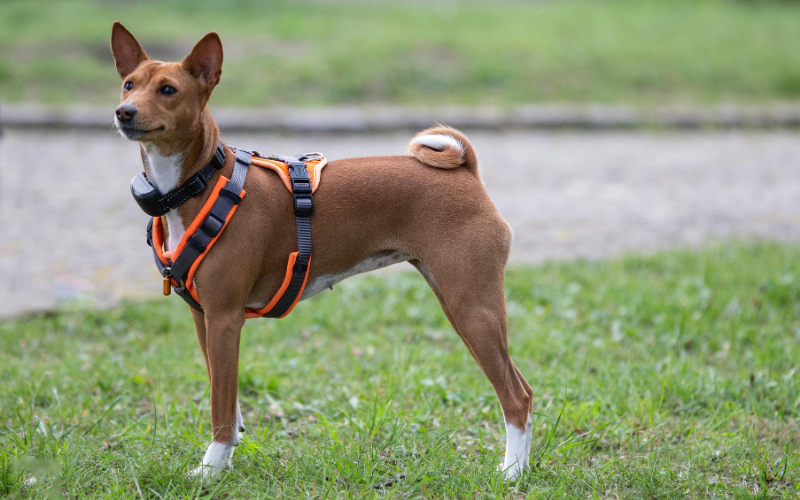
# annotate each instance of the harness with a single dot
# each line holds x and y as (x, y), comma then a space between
(300, 174)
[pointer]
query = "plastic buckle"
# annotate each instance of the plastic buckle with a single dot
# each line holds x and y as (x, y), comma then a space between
(298, 170)
(301, 186)
(300, 267)
(197, 185)
(193, 243)
(226, 193)
(219, 157)
(243, 156)
(212, 225)
(303, 205)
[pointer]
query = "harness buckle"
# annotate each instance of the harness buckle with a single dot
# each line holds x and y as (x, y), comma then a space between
(301, 189)
(298, 170)
(212, 225)
(301, 186)
(235, 198)
(193, 242)
(196, 185)
(300, 267)
(303, 205)
(219, 157)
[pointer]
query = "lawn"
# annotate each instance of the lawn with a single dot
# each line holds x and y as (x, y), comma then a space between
(665, 376)
(646, 52)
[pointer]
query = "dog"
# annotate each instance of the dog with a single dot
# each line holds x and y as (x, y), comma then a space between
(429, 208)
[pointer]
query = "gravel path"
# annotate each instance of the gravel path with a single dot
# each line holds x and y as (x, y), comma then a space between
(73, 235)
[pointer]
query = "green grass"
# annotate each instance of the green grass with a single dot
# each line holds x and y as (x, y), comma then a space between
(648, 52)
(668, 376)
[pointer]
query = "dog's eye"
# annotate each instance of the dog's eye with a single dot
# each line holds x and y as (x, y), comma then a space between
(167, 90)
(128, 85)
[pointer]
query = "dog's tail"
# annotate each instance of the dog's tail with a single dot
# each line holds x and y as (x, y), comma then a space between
(444, 147)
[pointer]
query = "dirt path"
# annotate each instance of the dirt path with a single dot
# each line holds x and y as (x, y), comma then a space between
(72, 234)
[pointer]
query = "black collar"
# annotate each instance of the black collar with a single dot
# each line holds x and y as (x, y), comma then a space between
(155, 204)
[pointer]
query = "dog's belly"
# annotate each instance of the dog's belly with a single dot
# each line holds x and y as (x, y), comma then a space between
(371, 263)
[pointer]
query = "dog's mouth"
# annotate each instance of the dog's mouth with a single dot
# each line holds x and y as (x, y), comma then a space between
(133, 131)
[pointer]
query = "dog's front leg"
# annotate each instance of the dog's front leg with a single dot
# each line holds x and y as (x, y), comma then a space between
(200, 326)
(220, 343)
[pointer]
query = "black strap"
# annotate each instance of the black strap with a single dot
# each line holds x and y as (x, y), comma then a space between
(193, 186)
(303, 208)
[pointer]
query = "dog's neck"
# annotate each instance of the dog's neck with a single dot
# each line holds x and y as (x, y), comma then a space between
(168, 164)
(164, 171)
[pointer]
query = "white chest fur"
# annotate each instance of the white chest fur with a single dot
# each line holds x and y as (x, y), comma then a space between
(165, 172)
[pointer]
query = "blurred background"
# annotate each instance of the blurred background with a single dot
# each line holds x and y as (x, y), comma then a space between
(603, 126)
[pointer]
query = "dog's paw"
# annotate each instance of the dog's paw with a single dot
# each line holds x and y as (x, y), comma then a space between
(510, 472)
(217, 459)
(205, 473)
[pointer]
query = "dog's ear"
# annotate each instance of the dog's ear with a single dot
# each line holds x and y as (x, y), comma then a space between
(205, 61)
(126, 50)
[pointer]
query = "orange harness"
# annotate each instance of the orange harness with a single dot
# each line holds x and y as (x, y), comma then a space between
(300, 174)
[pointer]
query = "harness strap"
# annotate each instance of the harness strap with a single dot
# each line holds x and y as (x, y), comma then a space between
(212, 225)
(153, 203)
(210, 228)
(196, 184)
(303, 209)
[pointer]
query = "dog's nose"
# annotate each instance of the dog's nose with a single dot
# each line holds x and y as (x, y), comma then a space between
(125, 112)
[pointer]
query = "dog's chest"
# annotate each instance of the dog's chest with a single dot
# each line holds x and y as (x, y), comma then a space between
(165, 173)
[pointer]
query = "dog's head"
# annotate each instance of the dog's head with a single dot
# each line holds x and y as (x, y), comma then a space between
(162, 102)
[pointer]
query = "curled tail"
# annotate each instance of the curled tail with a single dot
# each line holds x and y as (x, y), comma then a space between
(444, 147)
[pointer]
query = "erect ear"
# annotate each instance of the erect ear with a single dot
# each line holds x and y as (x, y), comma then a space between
(127, 52)
(205, 61)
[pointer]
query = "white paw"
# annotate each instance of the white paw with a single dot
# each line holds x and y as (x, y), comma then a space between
(217, 459)
(510, 472)
(204, 473)
(518, 444)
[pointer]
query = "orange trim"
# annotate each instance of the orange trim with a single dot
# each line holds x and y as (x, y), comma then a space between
(251, 312)
(158, 240)
(282, 169)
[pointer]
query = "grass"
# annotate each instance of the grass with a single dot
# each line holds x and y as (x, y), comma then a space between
(648, 52)
(668, 376)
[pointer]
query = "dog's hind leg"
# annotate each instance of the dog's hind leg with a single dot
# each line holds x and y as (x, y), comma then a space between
(472, 297)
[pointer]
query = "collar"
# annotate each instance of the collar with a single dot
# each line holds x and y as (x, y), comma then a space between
(155, 204)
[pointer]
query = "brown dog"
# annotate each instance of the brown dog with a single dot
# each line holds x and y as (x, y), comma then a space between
(430, 209)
